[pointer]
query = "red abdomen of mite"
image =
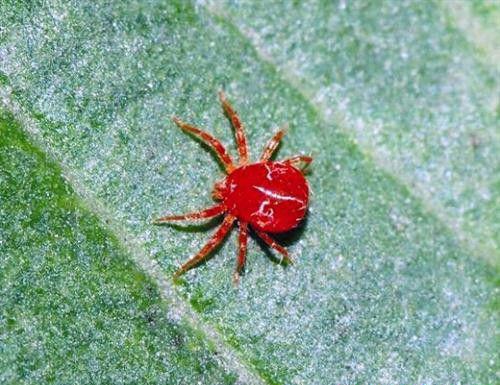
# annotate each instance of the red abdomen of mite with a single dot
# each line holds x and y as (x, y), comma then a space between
(270, 196)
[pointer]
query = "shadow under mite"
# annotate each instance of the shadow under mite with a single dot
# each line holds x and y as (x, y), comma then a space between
(285, 239)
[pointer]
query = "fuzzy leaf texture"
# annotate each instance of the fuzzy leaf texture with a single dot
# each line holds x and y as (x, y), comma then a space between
(396, 273)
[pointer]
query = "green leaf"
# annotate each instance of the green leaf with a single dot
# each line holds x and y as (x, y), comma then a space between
(404, 82)
(396, 266)
(74, 308)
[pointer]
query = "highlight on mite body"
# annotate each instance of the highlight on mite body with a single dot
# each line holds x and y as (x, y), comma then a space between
(266, 196)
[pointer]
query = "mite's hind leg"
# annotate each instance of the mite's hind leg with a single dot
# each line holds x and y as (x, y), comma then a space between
(207, 213)
(300, 161)
(274, 245)
(209, 246)
(242, 252)
(210, 141)
(239, 129)
(273, 144)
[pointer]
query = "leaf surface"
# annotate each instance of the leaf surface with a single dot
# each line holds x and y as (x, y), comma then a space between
(387, 287)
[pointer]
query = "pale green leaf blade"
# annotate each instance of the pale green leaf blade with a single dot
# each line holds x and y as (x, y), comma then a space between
(415, 83)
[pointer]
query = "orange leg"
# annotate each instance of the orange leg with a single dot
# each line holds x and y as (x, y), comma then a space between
(241, 139)
(209, 246)
(272, 145)
(274, 245)
(207, 213)
(300, 161)
(210, 141)
(242, 253)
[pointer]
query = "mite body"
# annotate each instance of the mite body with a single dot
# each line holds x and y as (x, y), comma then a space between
(268, 196)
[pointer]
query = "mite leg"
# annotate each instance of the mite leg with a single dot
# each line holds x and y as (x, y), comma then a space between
(300, 161)
(274, 245)
(272, 145)
(207, 213)
(209, 246)
(210, 141)
(239, 130)
(242, 252)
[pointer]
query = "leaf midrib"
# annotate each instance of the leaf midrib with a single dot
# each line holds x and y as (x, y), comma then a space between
(232, 358)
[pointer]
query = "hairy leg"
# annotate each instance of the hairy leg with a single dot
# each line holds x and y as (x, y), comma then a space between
(209, 246)
(242, 252)
(239, 130)
(272, 145)
(274, 245)
(207, 213)
(300, 161)
(210, 141)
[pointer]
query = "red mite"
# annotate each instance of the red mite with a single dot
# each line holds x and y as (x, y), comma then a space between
(268, 196)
